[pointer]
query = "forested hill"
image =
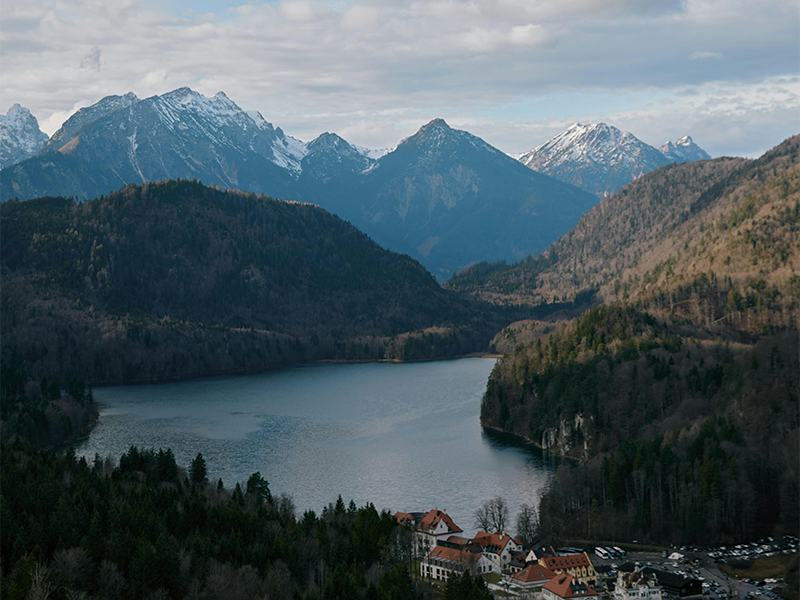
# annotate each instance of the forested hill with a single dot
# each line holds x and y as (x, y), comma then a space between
(608, 239)
(680, 393)
(671, 232)
(175, 279)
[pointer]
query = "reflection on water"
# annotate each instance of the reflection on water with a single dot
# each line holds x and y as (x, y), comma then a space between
(402, 436)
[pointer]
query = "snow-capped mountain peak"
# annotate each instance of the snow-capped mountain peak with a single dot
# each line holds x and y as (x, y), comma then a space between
(596, 157)
(437, 137)
(601, 158)
(684, 150)
(86, 116)
(20, 136)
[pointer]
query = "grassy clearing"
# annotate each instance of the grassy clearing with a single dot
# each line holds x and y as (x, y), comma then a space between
(494, 578)
(761, 568)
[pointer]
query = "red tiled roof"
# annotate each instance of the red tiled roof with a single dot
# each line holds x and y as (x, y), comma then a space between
(497, 540)
(534, 573)
(455, 539)
(568, 561)
(561, 586)
(404, 518)
(452, 556)
(431, 520)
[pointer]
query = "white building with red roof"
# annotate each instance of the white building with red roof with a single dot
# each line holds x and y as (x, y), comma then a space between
(429, 528)
(497, 547)
(567, 587)
(442, 562)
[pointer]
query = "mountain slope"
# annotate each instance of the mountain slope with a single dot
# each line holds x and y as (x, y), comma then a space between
(176, 279)
(181, 134)
(608, 239)
(680, 393)
(442, 196)
(85, 117)
(448, 199)
(600, 158)
(20, 136)
(664, 234)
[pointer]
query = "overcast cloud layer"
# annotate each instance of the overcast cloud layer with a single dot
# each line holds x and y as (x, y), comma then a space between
(514, 72)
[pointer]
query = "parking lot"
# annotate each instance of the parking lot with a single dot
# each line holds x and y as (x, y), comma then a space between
(702, 564)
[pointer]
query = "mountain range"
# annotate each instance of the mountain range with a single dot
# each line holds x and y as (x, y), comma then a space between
(443, 196)
(600, 158)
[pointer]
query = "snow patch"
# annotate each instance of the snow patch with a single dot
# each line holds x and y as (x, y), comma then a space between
(288, 152)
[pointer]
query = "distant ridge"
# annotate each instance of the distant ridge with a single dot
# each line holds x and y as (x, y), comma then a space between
(442, 196)
(600, 158)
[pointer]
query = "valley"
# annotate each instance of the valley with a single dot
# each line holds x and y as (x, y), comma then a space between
(647, 340)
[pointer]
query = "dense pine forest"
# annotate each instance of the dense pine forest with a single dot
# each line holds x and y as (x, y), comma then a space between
(148, 529)
(687, 440)
(679, 393)
(174, 280)
(42, 412)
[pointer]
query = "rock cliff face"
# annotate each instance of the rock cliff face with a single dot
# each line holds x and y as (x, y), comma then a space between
(568, 438)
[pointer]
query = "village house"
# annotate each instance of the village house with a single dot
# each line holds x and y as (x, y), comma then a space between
(637, 585)
(497, 547)
(442, 562)
(567, 587)
(577, 565)
(429, 529)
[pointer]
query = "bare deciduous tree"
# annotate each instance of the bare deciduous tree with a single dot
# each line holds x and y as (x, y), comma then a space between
(527, 525)
(41, 587)
(492, 516)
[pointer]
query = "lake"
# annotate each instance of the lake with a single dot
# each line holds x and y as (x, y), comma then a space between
(404, 436)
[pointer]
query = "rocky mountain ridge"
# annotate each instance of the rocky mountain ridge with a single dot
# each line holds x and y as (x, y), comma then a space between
(443, 196)
(600, 158)
(20, 136)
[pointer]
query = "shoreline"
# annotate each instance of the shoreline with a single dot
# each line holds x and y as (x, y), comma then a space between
(530, 442)
(344, 361)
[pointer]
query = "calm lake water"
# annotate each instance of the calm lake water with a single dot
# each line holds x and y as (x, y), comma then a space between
(402, 436)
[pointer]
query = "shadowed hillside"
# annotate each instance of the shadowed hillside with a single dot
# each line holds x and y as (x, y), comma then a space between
(175, 279)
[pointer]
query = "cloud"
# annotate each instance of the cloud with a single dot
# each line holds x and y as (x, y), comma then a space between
(528, 35)
(361, 18)
(155, 78)
(704, 55)
(53, 122)
(299, 10)
(381, 69)
(91, 61)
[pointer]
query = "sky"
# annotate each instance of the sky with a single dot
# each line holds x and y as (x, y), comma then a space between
(513, 72)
